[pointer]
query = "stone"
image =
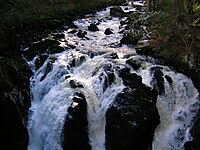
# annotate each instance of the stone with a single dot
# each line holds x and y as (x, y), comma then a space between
(75, 129)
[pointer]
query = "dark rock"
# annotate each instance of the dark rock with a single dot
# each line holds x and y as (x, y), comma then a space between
(146, 50)
(14, 102)
(81, 34)
(135, 64)
(91, 54)
(58, 36)
(76, 126)
(113, 56)
(71, 46)
(108, 31)
(55, 49)
(195, 133)
(169, 79)
(131, 37)
(93, 27)
(49, 67)
(131, 120)
(108, 76)
(158, 75)
(39, 48)
(130, 79)
(117, 11)
(73, 31)
(40, 61)
(77, 61)
(75, 84)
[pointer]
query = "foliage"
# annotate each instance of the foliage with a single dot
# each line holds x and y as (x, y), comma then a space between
(172, 32)
(196, 10)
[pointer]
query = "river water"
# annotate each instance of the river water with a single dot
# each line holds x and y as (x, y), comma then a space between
(52, 93)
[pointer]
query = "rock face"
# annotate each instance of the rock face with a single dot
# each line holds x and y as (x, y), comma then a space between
(75, 128)
(117, 11)
(133, 116)
(14, 103)
(195, 132)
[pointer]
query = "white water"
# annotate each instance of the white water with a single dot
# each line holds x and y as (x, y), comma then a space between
(52, 96)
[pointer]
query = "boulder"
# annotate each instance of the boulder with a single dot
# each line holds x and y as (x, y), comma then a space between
(135, 64)
(75, 84)
(108, 31)
(40, 61)
(158, 75)
(131, 120)
(195, 133)
(131, 36)
(76, 125)
(130, 79)
(14, 102)
(93, 27)
(49, 67)
(81, 34)
(117, 11)
(39, 48)
(55, 49)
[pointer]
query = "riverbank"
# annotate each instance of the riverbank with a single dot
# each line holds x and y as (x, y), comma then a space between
(21, 20)
(175, 42)
(22, 23)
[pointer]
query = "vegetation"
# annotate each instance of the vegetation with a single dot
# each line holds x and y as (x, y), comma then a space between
(175, 31)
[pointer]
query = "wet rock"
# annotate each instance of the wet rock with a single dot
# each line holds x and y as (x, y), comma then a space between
(55, 49)
(93, 27)
(135, 64)
(113, 56)
(75, 84)
(71, 46)
(131, 120)
(130, 79)
(40, 61)
(75, 129)
(14, 102)
(169, 79)
(108, 31)
(73, 31)
(117, 11)
(108, 77)
(77, 61)
(81, 34)
(131, 37)
(158, 75)
(39, 48)
(195, 133)
(145, 50)
(58, 36)
(91, 54)
(49, 67)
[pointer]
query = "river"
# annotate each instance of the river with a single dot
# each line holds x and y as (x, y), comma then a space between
(52, 92)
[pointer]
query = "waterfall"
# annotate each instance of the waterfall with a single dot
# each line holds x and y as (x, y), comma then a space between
(52, 92)
(177, 106)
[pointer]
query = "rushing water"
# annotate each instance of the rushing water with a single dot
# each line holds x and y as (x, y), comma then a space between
(52, 94)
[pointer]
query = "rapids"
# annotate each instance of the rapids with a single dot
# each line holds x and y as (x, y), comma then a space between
(52, 93)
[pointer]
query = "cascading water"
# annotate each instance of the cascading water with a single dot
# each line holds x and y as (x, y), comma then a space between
(52, 92)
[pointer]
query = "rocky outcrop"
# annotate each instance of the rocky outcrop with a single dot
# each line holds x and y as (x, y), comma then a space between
(93, 27)
(75, 128)
(14, 103)
(133, 116)
(108, 31)
(117, 11)
(195, 132)
(42, 47)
